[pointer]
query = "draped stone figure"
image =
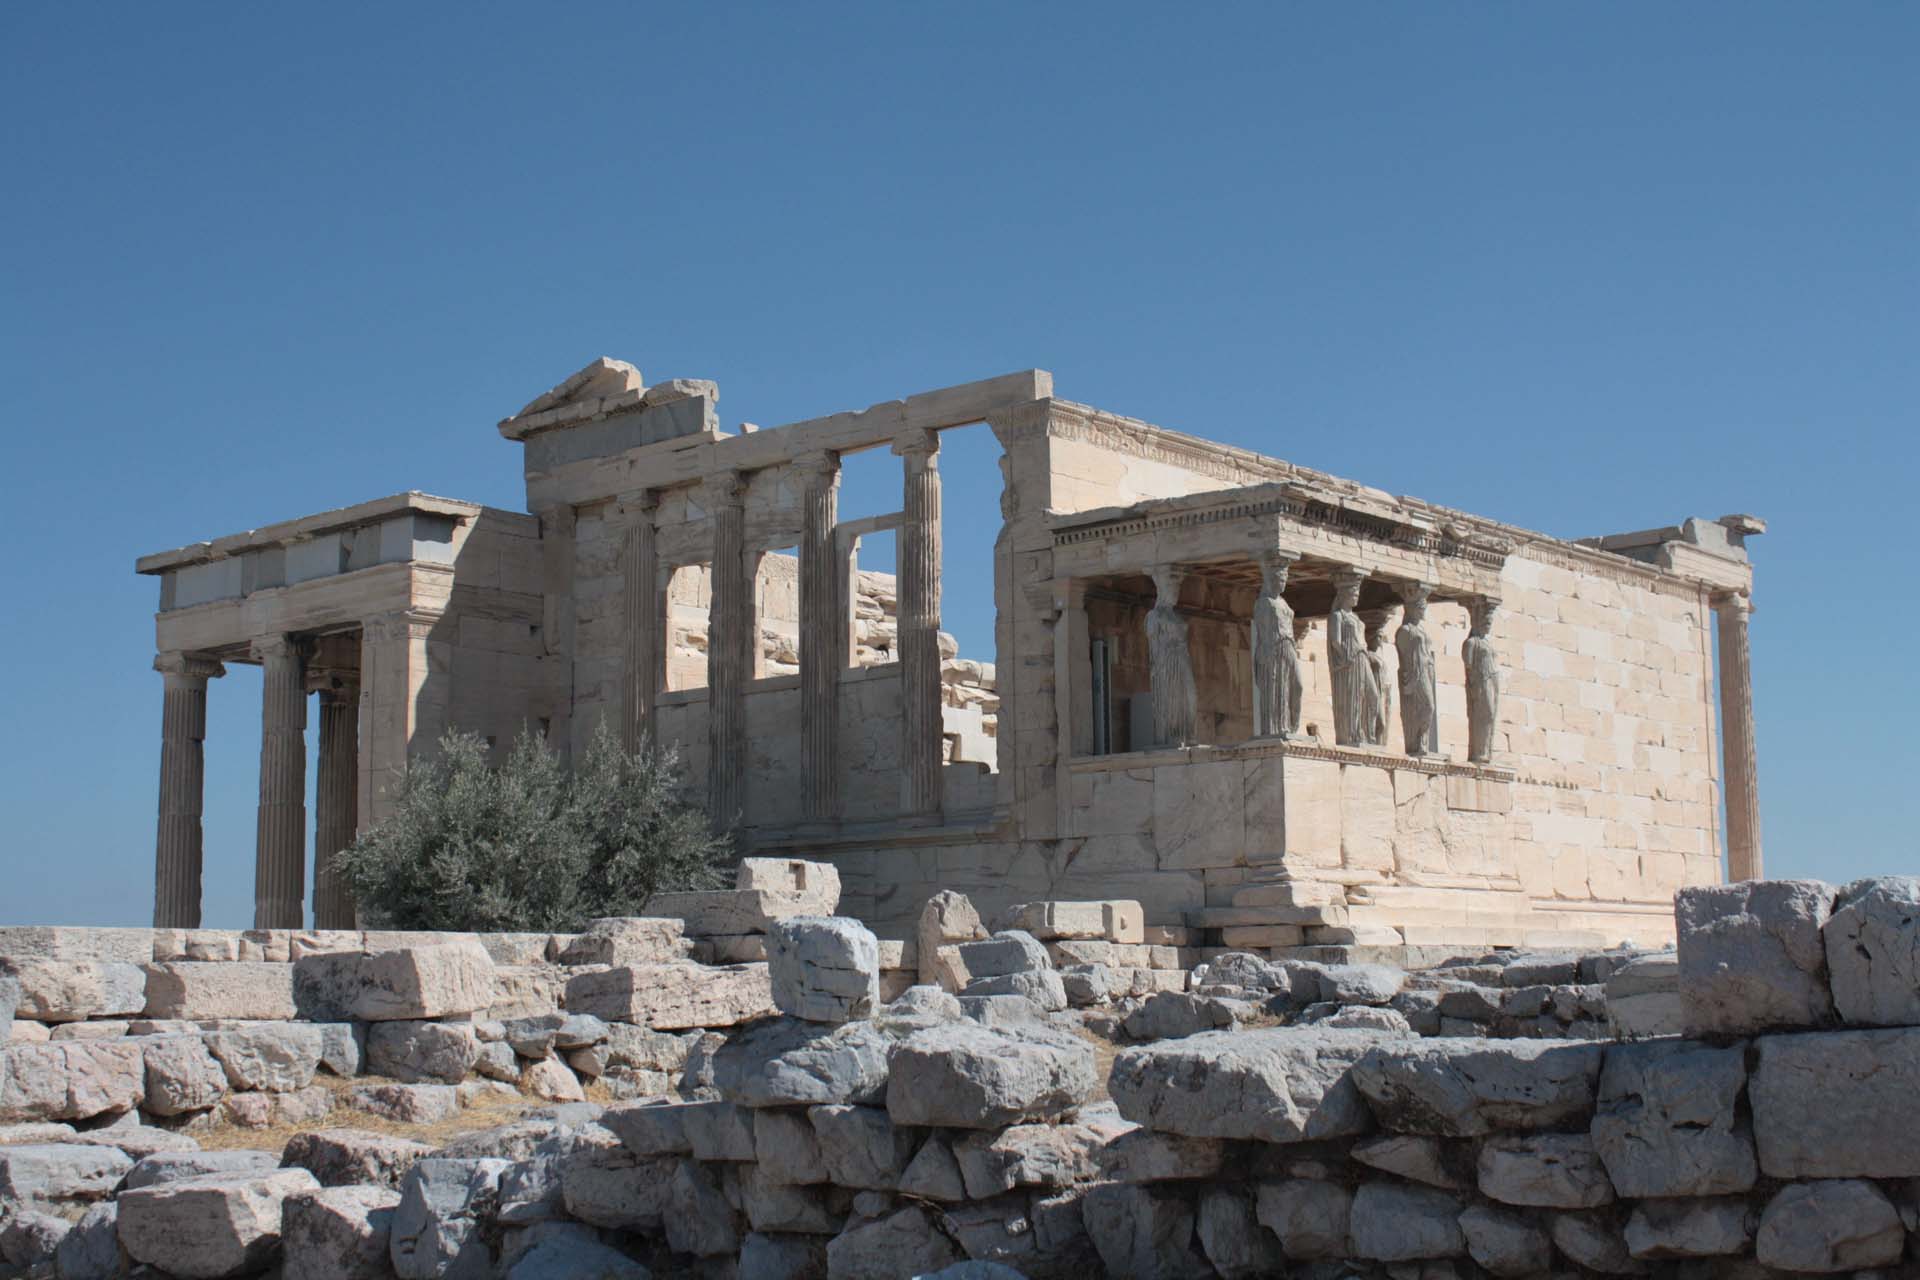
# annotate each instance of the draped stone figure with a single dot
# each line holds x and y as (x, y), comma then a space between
(1174, 698)
(1419, 699)
(1376, 620)
(1483, 682)
(1356, 691)
(1276, 659)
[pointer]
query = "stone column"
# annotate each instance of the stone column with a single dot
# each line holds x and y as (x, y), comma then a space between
(922, 743)
(1072, 692)
(1171, 662)
(823, 635)
(1738, 760)
(1482, 663)
(177, 845)
(1356, 690)
(280, 847)
(1276, 661)
(1419, 675)
(641, 620)
(730, 648)
(337, 799)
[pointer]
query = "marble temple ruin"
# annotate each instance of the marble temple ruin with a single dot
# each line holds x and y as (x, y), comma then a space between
(1276, 707)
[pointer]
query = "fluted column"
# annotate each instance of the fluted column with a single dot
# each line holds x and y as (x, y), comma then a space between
(1171, 661)
(336, 797)
(1739, 762)
(730, 648)
(823, 635)
(641, 622)
(280, 857)
(177, 845)
(1276, 661)
(922, 744)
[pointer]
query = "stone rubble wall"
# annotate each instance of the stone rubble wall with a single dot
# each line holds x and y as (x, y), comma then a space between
(1006, 1114)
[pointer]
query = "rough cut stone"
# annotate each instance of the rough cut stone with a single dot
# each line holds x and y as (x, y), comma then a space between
(1009, 951)
(1287, 1084)
(214, 1225)
(353, 1157)
(628, 940)
(1595, 1240)
(74, 1081)
(75, 990)
(934, 1173)
(1872, 943)
(948, 918)
(674, 997)
(1837, 1104)
(824, 969)
(437, 1227)
(1752, 956)
(1394, 1223)
(1142, 1231)
(1175, 1015)
(1659, 1229)
(904, 1243)
(786, 1062)
(967, 1077)
(1360, 983)
(816, 885)
(1467, 1087)
(231, 990)
(718, 1130)
(1829, 1226)
(1115, 920)
(418, 1052)
(29, 1237)
(861, 1147)
(732, 911)
(571, 1250)
(1417, 1159)
(1310, 1217)
(1545, 1170)
(76, 942)
(33, 1173)
(408, 1103)
(171, 1166)
(550, 1079)
(339, 1233)
(181, 1076)
(1643, 998)
(1136, 1154)
(1666, 1123)
(1232, 1238)
(424, 982)
(275, 1057)
(1505, 1243)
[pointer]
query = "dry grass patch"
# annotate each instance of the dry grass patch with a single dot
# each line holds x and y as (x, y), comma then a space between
(487, 1112)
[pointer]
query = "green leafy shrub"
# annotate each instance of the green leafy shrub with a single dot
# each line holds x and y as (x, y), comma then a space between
(530, 846)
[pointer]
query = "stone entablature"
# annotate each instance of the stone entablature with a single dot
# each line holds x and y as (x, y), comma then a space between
(1430, 724)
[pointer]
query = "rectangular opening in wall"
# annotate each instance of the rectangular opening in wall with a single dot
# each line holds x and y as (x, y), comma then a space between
(689, 602)
(873, 600)
(776, 606)
(870, 483)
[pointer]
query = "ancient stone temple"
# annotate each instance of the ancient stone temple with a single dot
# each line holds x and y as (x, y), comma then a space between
(1276, 707)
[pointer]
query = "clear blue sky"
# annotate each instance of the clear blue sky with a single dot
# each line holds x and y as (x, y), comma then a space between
(1583, 268)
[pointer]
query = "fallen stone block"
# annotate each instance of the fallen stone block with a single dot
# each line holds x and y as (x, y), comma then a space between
(816, 884)
(1661, 1229)
(237, 990)
(353, 1157)
(339, 1233)
(136, 1141)
(171, 1166)
(967, 1077)
(824, 969)
(718, 1130)
(181, 1076)
(76, 942)
(1130, 1153)
(628, 940)
(904, 1243)
(947, 918)
(509, 948)
(419, 1052)
(1505, 1243)
(1643, 998)
(1666, 1122)
(1872, 943)
(1841, 1225)
(9, 1002)
(1031, 1155)
(1232, 1238)
(1545, 1170)
(91, 1250)
(786, 1062)
(674, 997)
(1395, 1223)
(1142, 1231)
(1360, 983)
(632, 1048)
(408, 1103)
(786, 1151)
(1042, 987)
(1417, 1159)
(650, 1129)
(214, 1225)
(552, 1080)
(74, 990)
(1273, 1085)
(1174, 1015)
(1467, 1087)
(72, 1081)
(1310, 1217)
(934, 1173)
(1115, 920)
(732, 911)
(618, 1190)
(29, 1238)
(273, 1057)
(423, 982)
(1838, 1104)
(568, 1249)
(437, 1229)
(1009, 951)
(53, 1173)
(1752, 957)
(521, 991)
(860, 1146)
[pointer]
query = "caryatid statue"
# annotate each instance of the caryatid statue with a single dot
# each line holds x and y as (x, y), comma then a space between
(1376, 621)
(1483, 680)
(1276, 659)
(1174, 698)
(1356, 691)
(1419, 700)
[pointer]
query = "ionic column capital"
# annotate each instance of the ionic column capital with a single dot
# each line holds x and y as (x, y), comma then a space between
(724, 489)
(404, 624)
(183, 668)
(1732, 605)
(917, 445)
(816, 467)
(639, 505)
(271, 648)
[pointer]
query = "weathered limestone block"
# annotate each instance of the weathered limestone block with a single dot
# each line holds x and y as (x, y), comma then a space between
(91, 1250)
(1115, 920)
(551, 1079)
(27, 1031)
(1666, 1123)
(72, 1081)
(75, 990)
(171, 1166)
(628, 940)
(1232, 1238)
(1659, 1229)
(353, 1157)
(1506, 1244)
(436, 1230)
(1544, 1170)
(76, 942)
(786, 1150)
(947, 919)
(567, 1249)
(1086, 985)
(904, 1243)
(338, 1233)
(964, 1076)
(1175, 1015)
(1838, 1104)
(934, 1174)
(237, 990)
(326, 984)
(1873, 952)
(1142, 1231)
(1009, 951)
(1309, 1216)
(35, 1173)
(420, 1052)
(1279, 1085)
(824, 969)
(29, 1237)
(782, 1257)
(1467, 1087)
(718, 1130)
(501, 948)
(1427, 1160)
(522, 991)
(786, 1063)
(424, 982)
(861, 1147)
(408, 1103)
(674, 997)
(210, 1226)
(1643, 998)
(1596, 1240)
(1829, 1226)
(1033, 1155)
(1395, 1223)
(815, 885)
(707, 912)
(650, 1128)
(9, 1001)
(1752, 957)
(181, 1076)
(1044, 987)
(1359, 983)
